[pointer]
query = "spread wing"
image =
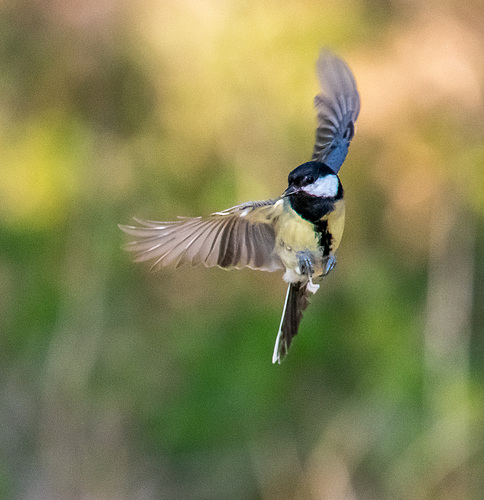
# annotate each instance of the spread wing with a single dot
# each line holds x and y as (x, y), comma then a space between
(337, 107)
(241, 236)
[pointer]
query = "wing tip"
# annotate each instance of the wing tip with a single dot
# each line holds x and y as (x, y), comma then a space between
(326, 54)
(125, 227)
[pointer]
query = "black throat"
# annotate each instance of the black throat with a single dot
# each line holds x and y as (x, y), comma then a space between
(311, 208)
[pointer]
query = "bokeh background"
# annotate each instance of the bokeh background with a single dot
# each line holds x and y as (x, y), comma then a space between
(120, 384)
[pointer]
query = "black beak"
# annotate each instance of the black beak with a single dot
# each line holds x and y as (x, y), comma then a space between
(290, 190)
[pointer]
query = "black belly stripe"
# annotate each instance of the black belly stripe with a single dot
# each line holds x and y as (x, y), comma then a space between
(325, 237)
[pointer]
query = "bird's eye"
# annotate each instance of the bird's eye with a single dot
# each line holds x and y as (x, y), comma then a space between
(310, 179)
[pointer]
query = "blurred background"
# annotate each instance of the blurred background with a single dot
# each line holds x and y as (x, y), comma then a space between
(120, 384)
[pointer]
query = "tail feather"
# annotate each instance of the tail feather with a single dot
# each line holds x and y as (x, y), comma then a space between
(296, 302)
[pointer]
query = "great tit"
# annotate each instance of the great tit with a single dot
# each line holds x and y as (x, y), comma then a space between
(298, 232)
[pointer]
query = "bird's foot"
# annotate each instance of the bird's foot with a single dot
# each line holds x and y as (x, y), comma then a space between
(329, 265)
(305, 264)
(306, 269)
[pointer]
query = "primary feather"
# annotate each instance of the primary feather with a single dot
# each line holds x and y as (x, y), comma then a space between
(337, 106)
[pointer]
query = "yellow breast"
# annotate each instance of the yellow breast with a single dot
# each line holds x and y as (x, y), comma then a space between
(336, 223)
(295, 234)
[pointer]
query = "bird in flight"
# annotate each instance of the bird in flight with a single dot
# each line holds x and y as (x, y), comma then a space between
(298, 232)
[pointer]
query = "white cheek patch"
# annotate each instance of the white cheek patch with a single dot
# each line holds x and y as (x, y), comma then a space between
(324, 186)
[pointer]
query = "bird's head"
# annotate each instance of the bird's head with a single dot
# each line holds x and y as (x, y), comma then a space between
(314, 179)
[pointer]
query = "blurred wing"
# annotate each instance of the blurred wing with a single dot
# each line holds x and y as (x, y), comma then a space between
(337, 107)
(241, 236)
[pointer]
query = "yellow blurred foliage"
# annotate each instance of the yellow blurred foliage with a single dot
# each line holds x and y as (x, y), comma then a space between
(40, 176)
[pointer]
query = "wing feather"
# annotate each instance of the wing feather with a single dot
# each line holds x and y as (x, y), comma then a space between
(337, 106)
(176, 247)
(195, 254)
(241, 236)
(206, 245)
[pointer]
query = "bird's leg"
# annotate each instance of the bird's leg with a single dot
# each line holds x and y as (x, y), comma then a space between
(306, 269)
